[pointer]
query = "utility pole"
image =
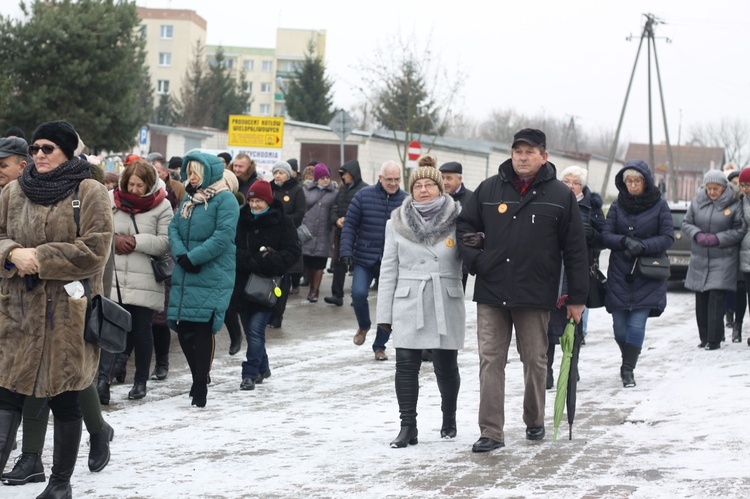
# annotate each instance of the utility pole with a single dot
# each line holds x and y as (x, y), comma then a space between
(648, 35)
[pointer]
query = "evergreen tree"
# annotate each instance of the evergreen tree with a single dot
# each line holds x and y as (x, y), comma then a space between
(165, 113)
(308, 96)
(191, 107)
(81, 61)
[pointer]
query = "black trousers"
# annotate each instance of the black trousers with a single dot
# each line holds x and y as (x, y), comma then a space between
(64, 406)
(709, 314)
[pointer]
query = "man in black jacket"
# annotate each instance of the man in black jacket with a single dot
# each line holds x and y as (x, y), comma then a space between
(352, 179)
(452, 173)
(514, 233)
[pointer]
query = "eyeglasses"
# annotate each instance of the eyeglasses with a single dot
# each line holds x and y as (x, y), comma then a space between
(570, 183)
(391, 180)
(634, 181)
(744, 186)
(46, 149)
(426, 185)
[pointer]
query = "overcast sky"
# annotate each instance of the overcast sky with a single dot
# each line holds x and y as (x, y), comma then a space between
(559, 58)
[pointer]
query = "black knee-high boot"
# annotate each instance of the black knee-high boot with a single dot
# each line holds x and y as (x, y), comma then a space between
(629, 360)
(187, 343)
(449, 384)
(64, 456)
(550, 360)
(9, 422)
(408, 363)
(204, 355)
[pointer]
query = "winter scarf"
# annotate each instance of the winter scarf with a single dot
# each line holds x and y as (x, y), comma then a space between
(408, 222)
(201, 196)
(638, 204)
(49, 188)
(428, 209)
(134, 204)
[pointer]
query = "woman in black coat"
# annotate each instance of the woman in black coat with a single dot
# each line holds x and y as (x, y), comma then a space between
(266, 245)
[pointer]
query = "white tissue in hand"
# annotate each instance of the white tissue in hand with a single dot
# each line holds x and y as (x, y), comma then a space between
(74, 289)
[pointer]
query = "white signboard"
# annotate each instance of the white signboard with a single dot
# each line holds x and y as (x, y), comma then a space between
(263, 157)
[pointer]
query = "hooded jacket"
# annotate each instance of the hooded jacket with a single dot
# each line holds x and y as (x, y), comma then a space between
(714, 267)
(207, 238)
(319, 202)
(527, 239)
(135, 275)
(363, 235)
(42, 351)
(347, 191)
(654, 228)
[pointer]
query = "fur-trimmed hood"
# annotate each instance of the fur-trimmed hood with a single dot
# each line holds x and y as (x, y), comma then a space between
(407, 222)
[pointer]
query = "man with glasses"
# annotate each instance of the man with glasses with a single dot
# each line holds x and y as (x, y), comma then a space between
(514, 234)
(362, 243)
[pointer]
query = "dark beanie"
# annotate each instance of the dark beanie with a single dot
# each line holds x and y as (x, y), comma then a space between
(225, 156)
(175, 162)
(14, 131)
(61, 133)
(293, 163)
(261, 189)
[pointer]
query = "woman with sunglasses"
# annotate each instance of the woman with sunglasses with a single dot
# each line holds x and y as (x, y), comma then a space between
(43, 251)
(421, 298)
(638, 223)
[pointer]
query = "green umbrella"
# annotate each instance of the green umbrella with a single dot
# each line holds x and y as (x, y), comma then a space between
(566, 344)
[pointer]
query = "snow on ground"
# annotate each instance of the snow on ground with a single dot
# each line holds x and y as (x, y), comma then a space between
(320, 426)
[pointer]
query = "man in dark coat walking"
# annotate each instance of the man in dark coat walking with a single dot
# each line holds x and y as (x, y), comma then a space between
(452, 173)
(514, 233)
(362, 244)
(352, 179)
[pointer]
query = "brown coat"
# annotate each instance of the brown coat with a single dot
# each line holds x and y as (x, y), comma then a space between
(42, 351)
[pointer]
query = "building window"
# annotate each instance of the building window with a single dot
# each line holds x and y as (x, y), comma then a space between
(265, 109)
(166, 31)
(267, 66)
(248, 65)
(229, 63)
(265, 88)
(249, 87)
(165, 58)
(162, 86)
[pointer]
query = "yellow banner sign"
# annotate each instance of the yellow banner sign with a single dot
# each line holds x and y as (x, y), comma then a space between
(256, 131)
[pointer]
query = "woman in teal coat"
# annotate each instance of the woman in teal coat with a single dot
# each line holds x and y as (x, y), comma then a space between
(201, 236)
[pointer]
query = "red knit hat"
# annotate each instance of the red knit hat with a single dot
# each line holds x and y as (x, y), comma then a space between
(745, 175)
(261, 189)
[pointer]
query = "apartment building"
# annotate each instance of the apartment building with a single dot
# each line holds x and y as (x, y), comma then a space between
(171, 38)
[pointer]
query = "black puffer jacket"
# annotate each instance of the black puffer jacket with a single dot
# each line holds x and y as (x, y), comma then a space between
(273, 230)
(526, 240)
(292, 196)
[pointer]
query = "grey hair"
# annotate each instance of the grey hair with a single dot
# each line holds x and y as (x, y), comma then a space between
(388, 164)
(580, 173)
(631, 172)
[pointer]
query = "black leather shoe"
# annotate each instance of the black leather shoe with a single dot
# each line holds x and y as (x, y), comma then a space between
(119, 371)
(235, 346)
(703, 344)
(138, 391)
(262, 376)
(99, 448)
(102, 388)
(535, 433)
(160, 373)
(247, 384)
(334, 300)
(486, 444)
(407, 436)
(28, 469)
(713, 346)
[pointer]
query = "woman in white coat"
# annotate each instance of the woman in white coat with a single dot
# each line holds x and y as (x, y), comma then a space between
(141, 215)
(420, 296)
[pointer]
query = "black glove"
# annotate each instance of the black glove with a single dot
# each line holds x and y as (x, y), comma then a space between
(186, 264)
(346, 260)
(633, 247)
(474, 240)
(589, 231)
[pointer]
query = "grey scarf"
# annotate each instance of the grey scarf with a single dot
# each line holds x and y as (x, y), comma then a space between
(428, 209)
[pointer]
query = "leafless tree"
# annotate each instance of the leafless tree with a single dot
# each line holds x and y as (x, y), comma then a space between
(731, 134)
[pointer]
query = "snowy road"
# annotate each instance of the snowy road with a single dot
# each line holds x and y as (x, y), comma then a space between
(320, 426)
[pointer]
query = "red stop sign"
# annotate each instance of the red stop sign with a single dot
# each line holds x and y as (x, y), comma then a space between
(414, 151)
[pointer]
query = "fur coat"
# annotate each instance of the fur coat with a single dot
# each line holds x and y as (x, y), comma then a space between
(42, 351)
(420, 292)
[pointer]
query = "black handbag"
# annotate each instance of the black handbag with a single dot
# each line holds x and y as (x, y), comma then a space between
(653, 267)
(263, 290)
(162, 265)
(107, 323)
(597, 287)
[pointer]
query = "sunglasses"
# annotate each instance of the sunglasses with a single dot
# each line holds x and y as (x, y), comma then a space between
(46, 149)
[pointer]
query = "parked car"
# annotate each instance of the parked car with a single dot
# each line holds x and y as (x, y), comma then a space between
(679, 253)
